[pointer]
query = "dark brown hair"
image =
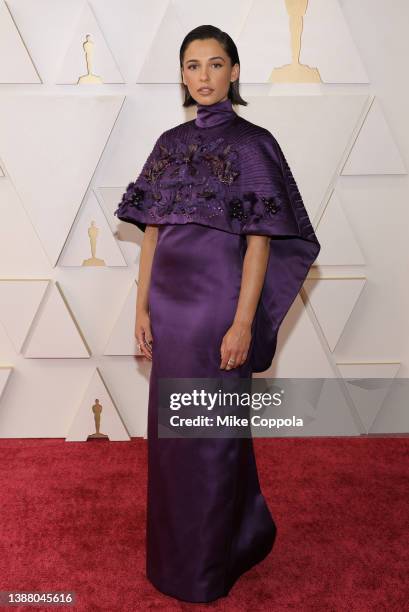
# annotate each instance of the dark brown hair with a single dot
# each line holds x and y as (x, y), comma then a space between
(208, 31)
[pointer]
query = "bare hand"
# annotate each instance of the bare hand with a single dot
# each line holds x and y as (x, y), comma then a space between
(143, 333)
(235, 345)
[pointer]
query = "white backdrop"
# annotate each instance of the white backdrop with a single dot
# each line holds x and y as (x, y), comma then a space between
(67, 152)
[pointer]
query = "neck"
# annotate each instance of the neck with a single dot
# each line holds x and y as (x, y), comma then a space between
(218, 113)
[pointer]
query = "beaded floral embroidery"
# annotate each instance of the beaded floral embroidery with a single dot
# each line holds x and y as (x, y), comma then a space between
(190, 180)
(246, 207)
(186, 161)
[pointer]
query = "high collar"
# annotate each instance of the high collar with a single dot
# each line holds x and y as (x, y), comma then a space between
(219, 113)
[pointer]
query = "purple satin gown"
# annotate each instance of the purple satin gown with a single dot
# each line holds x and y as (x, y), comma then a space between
(207, 519)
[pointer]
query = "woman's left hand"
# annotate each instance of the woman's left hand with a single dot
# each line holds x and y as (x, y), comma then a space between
(235, 345)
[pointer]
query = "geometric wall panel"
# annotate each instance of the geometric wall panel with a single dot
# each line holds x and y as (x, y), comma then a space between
(331, 416)
(7, 350)
(160, 67)
(143, 117)
(50, 146)
(265, 42)
(97, 416)
(96, 58)
(129, 384)
(393, 417)
(19, 302)
(338, 243)
(368, 369)
(128, 236)
(122, 340)
(46, 27)
(16, 65)
(374, 151)
(333, 300)
(313, 143)
(109, 198)
(56, 333)
(325, 32)
(21, 252)
(5, 373)
(392, 420)
(369, 396)
(91, 242)
(130, 26)
(298, 330)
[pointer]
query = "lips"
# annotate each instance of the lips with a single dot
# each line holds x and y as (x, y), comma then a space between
(205, 89)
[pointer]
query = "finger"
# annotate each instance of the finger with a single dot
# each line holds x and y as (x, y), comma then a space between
(139, 341)
(144, 348)
(144, 352)
(233, 358)
(225, 358)
(237, 360)
(242, 358)
(145, 339)
(148, 347)
(148, 334)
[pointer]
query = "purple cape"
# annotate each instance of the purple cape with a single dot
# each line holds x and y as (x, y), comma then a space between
(225, 172)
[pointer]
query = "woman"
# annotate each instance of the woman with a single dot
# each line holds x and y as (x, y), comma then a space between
(226, 248)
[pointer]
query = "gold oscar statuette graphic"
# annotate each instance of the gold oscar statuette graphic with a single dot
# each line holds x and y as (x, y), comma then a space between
(93, 234)
(97, 409)
(88, 47)
(295, 72)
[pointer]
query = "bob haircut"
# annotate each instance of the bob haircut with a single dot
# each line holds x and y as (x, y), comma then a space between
(208, 31)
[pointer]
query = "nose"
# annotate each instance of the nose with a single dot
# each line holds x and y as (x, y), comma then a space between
(204, 76)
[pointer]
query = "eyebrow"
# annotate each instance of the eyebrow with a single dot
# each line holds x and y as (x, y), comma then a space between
(210, 58)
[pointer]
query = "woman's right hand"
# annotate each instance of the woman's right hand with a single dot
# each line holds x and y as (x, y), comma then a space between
(143, 333)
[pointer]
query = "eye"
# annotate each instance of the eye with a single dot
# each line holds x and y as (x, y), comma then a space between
(195, 65)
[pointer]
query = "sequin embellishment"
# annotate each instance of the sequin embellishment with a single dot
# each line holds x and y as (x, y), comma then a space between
(193, 179)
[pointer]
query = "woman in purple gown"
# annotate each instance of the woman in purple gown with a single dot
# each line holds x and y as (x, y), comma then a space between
(227, 246)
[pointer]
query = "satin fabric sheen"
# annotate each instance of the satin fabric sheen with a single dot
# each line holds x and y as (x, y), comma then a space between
(226, 173)
(207, 520)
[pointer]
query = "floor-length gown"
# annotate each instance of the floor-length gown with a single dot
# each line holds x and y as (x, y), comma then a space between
(207, 519)
(207, 184)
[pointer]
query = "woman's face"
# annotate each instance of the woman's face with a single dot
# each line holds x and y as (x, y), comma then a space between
(207, 65)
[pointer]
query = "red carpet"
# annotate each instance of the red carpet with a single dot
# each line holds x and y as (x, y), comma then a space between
(72, 518)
